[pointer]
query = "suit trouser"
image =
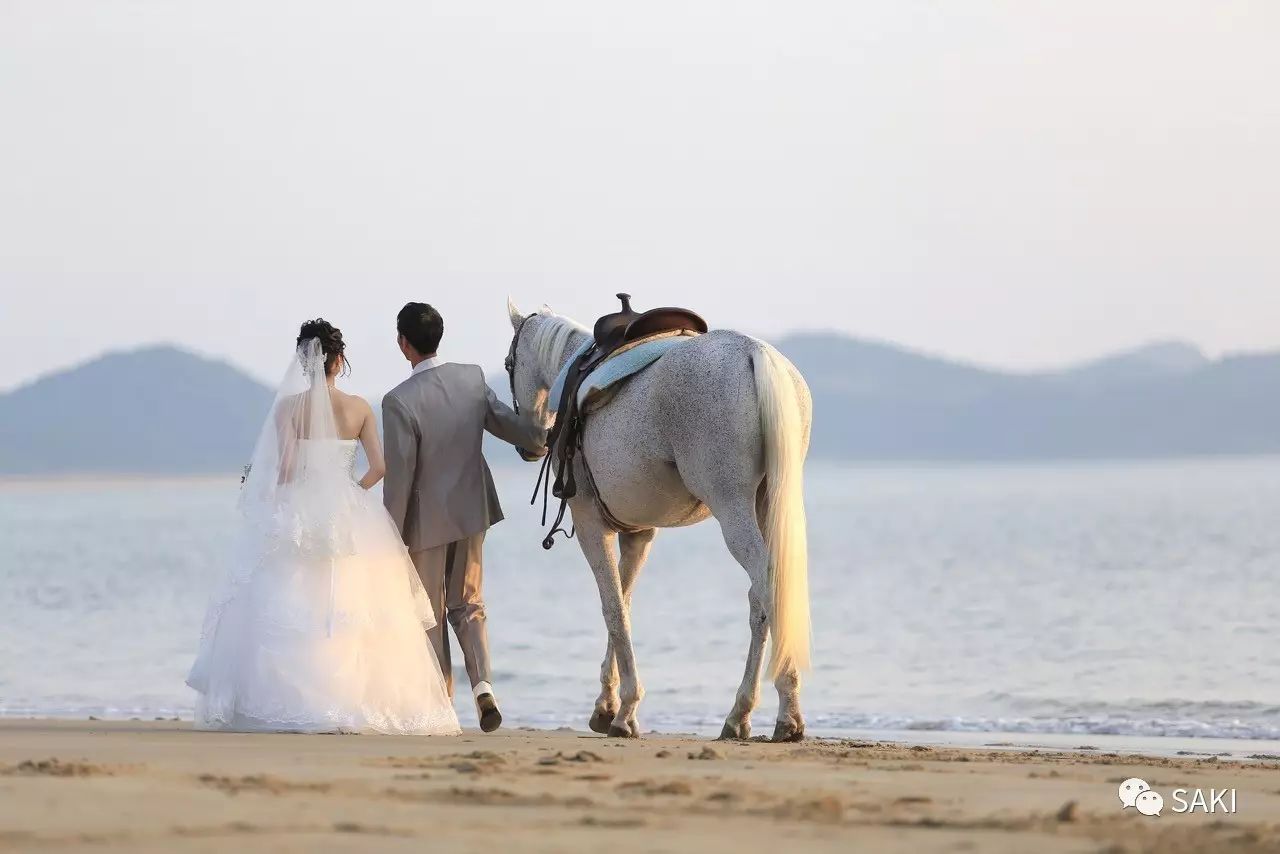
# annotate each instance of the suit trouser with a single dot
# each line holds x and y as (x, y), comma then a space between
(453, 575)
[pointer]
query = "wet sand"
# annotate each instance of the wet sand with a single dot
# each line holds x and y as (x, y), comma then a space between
(160, 787)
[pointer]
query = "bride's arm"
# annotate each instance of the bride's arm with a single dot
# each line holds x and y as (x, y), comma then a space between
(372, 449)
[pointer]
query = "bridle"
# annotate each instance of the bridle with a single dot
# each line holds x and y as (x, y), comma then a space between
(510, 365)
(543, 483)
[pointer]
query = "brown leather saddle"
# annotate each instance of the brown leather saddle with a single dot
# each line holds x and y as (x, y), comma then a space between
(621, 327)
(612, 332)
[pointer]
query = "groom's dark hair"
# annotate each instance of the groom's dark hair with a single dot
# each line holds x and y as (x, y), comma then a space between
(422, 326)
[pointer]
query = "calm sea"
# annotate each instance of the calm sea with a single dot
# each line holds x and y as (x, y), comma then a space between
(1136, 599)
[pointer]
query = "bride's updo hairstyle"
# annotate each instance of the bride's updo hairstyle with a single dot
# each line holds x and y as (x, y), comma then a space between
(331, 343)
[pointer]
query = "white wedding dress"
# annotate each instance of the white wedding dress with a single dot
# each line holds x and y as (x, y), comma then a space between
(319, 624)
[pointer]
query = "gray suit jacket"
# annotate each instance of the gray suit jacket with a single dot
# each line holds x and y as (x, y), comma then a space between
(438, 488)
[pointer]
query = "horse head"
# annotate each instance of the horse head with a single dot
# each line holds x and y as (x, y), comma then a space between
(541, 343)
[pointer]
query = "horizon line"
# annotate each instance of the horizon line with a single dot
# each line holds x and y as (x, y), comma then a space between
(810, 332)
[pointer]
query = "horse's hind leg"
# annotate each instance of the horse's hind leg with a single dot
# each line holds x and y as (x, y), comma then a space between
(790, 723)
(635, 550)
(745, 541)
(743, 538)
(738, 724)
(598, 546)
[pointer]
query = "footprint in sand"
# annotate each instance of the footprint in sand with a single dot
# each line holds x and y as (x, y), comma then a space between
(260, 783)
(580, 756)
(650, 788)
(54, 767)
(707, 753)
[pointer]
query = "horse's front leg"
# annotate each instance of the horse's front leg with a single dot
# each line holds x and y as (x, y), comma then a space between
(598, 545)
(635, 550)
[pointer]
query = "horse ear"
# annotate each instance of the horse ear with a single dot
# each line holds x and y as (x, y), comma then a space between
(516, 315)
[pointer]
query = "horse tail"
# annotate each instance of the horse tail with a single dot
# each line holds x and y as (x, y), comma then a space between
(782, 518)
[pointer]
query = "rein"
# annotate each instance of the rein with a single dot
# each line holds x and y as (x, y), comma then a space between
(544, 471)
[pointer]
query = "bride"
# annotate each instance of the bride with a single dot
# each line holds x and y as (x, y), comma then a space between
(319, 625)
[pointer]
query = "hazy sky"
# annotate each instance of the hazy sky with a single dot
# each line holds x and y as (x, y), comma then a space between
(1016, 183)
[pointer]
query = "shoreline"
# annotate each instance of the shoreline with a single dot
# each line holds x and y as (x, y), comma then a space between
(161, 786)
(1225, 748)
(940, 464)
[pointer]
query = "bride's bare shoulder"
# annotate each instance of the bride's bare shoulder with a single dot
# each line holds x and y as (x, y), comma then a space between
(352, 402)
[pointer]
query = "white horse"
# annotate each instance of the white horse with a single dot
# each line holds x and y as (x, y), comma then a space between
(719, 426)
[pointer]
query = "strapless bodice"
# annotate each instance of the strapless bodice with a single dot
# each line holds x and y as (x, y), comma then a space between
(339, 454)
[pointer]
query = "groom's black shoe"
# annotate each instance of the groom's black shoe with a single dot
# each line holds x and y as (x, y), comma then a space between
(490, 717)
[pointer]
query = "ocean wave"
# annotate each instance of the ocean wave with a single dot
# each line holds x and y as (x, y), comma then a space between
(1146, 727)
(1032, 706)
(1011, 713)
(1165, 718)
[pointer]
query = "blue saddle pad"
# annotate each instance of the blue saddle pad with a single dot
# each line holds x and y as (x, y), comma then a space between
(615, 369)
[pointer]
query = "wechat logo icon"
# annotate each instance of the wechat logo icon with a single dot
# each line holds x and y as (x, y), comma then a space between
(1137, 794)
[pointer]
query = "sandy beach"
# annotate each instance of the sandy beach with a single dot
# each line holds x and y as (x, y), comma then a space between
(160, 787)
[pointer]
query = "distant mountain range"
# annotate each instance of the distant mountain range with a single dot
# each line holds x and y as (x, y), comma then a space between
(149, 411)
(877, 401)
(164, 410)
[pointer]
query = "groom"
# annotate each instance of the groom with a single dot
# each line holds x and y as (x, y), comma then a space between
(439, 490)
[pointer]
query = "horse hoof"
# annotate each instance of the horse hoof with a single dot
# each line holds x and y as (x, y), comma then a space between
(788, 731)
(601, 721)
(736, 732)
(619, 732)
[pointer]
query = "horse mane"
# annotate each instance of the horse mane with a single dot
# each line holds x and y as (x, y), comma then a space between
(552, 336)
